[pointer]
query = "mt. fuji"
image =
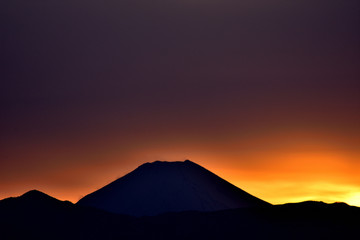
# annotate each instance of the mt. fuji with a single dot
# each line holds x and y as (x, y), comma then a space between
(161, 187)
(181, 200)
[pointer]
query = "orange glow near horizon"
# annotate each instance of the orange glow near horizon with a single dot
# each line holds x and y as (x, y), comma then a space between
(297, 172)
(299, 177)
(327, 177)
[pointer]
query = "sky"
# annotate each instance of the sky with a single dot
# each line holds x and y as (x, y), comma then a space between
(264, 93)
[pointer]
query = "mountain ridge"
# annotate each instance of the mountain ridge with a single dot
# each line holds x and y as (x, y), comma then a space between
(305, 220)
(36, 215)
(160, 187)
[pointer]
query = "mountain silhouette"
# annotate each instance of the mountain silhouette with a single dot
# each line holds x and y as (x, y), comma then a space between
(34, 199)
(36, 215)
(161, 187)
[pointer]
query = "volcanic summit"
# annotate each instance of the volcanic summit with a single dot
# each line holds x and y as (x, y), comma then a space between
(161, 187)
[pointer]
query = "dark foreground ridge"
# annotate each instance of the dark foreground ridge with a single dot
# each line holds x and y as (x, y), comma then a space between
(32, 217)
(202, 206)
(161, 187)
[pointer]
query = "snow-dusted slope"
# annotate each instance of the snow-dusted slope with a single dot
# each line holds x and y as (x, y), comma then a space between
(159, 187)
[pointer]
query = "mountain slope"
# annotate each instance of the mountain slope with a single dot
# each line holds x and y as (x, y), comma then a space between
(160, 187)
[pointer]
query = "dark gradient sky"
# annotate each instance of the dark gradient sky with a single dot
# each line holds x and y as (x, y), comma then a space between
(265, 93)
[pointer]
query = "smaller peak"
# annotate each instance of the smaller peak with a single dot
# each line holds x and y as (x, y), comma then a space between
(35, 194)
(188, 161)
(341, 204)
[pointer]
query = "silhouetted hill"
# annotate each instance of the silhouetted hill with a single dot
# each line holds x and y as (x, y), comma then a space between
(35, 215)
(38, 216)
(160, 187)
(34, 201)
(293, 221)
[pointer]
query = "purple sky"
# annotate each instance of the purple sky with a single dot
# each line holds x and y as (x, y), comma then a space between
(83, 79)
